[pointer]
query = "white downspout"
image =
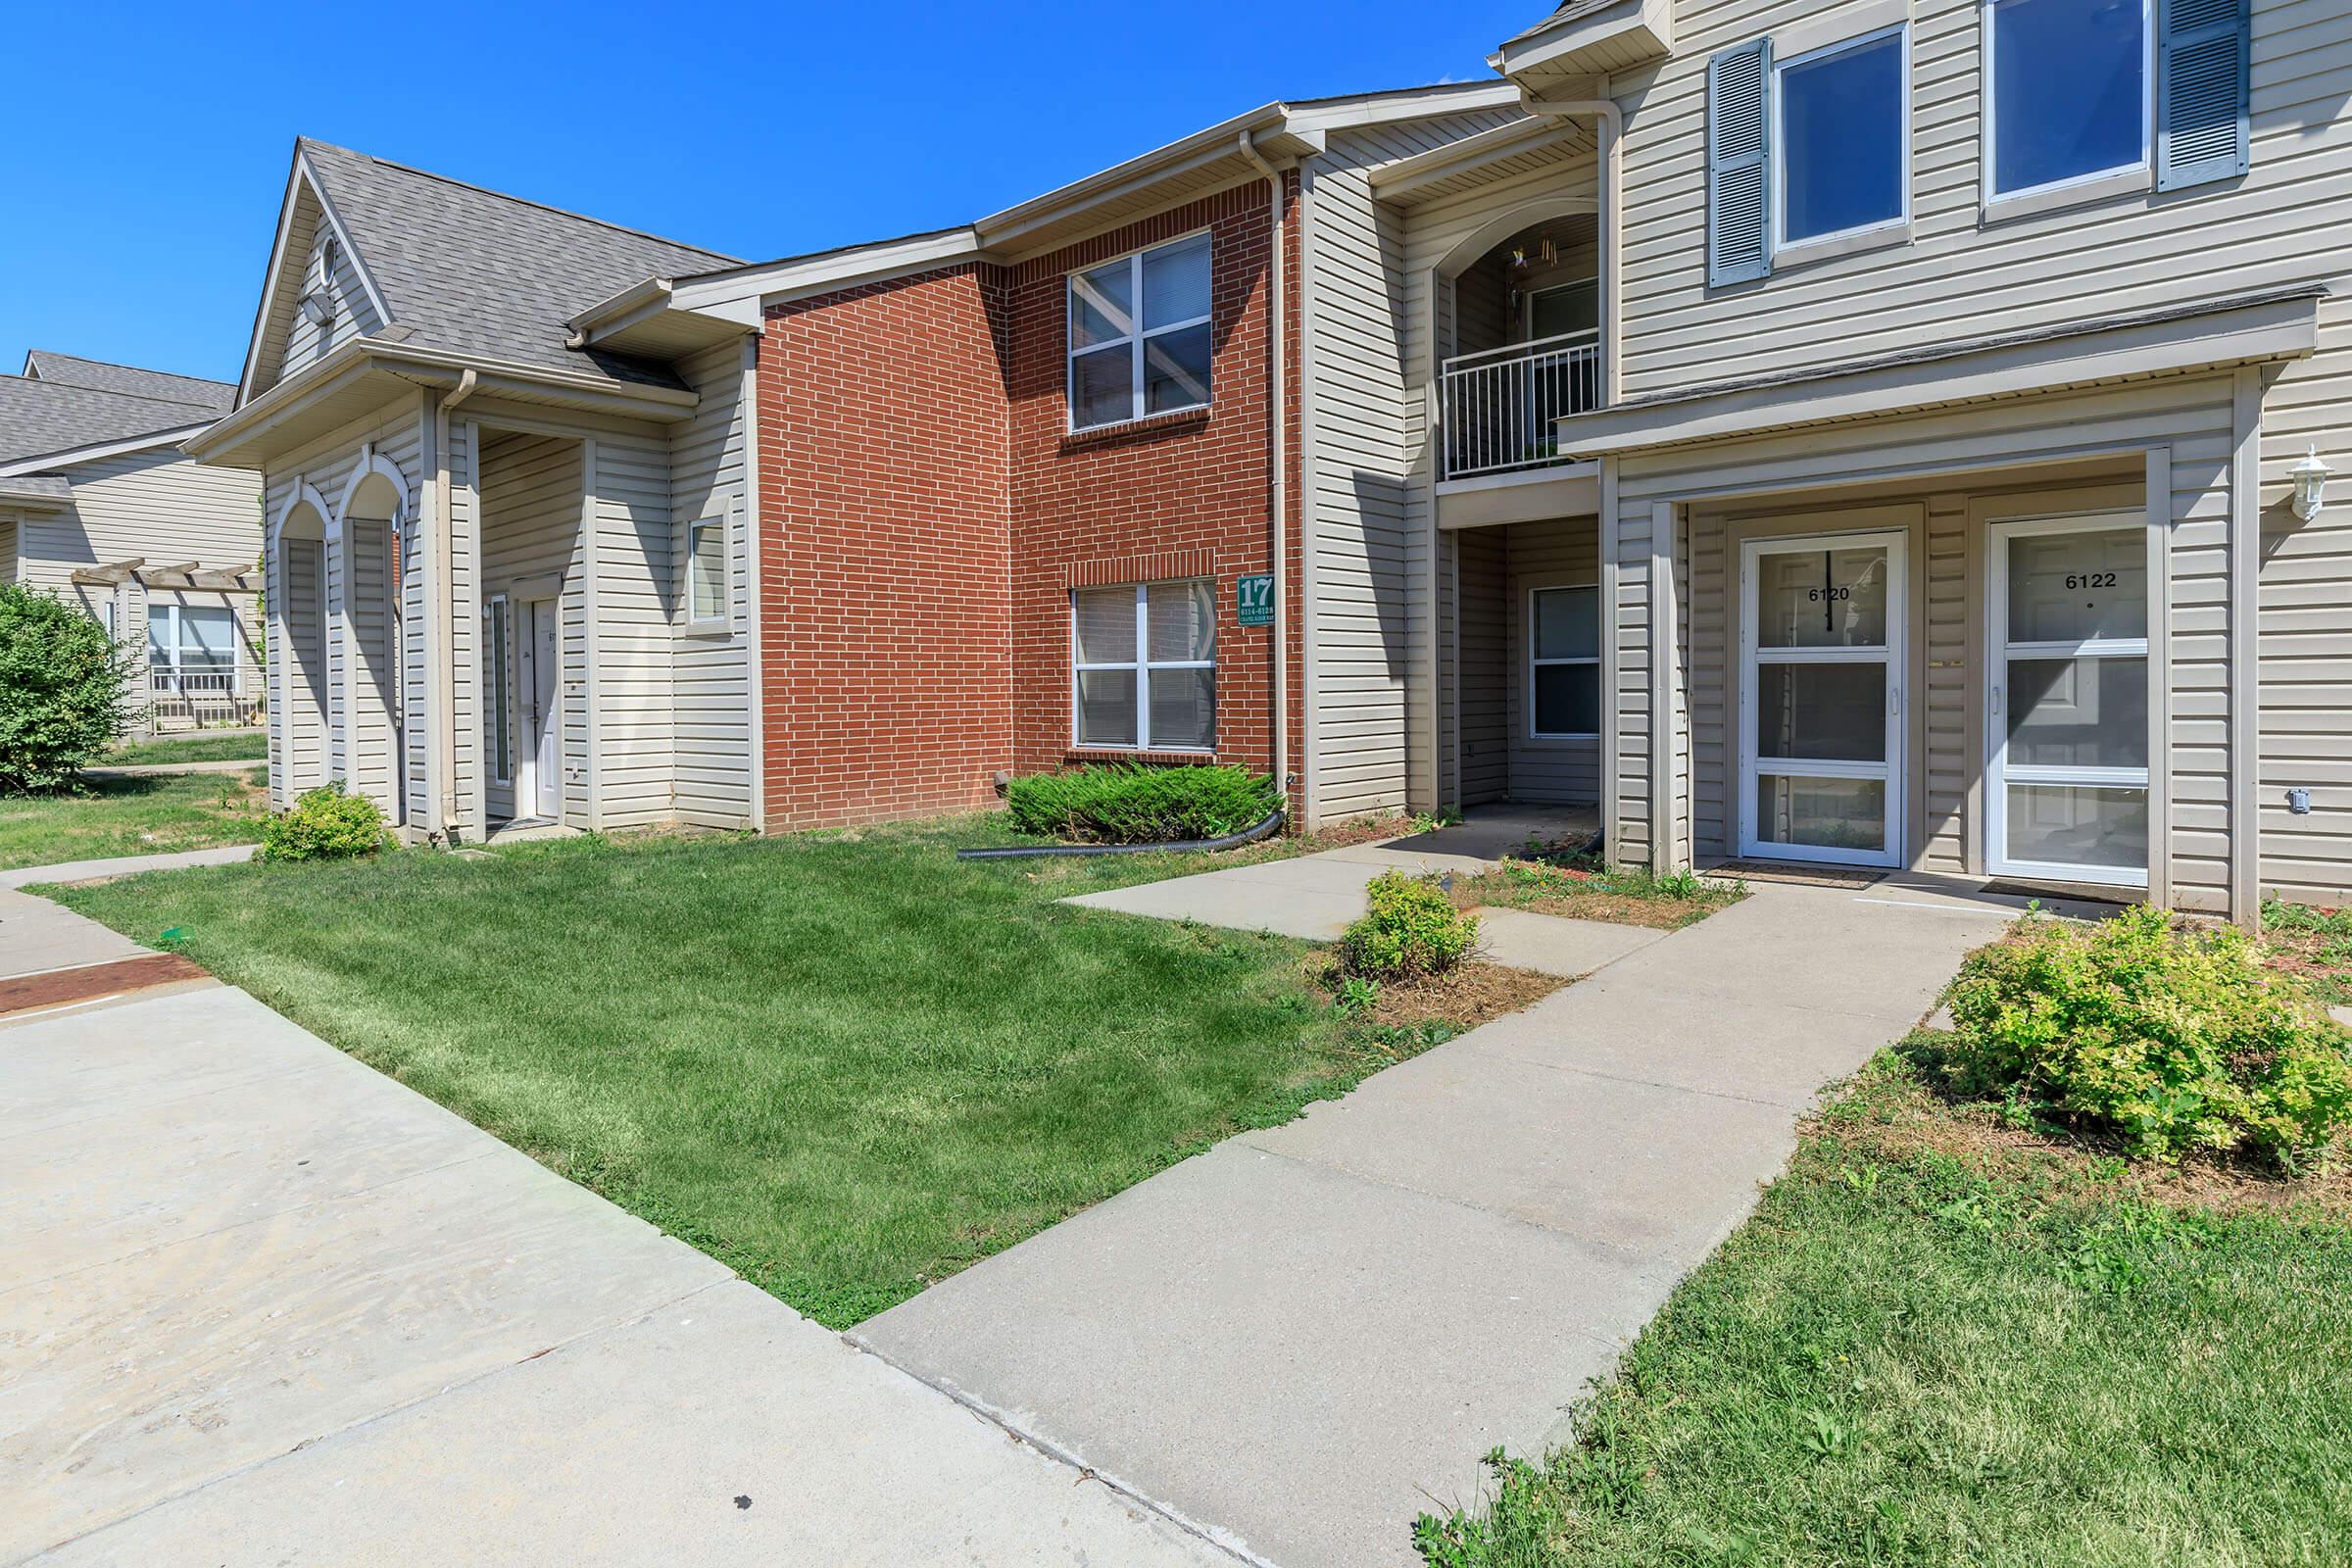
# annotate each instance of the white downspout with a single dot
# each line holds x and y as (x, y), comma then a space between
(441, 631)
(1278, 459)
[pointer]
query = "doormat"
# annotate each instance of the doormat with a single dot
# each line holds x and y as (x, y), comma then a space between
(1804, 877)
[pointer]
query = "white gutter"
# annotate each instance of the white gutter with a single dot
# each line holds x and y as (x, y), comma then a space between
(1278, 459)
(441, 631)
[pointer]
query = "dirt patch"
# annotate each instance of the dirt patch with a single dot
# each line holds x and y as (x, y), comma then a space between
(1575, 896)
(1355, 831)
(1906, 1120)
(2313, 946)
(1466, 996)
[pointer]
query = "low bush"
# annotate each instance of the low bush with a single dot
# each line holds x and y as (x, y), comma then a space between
(1411, 932)
(327, 824)
(1127, 803)
(2177, 1040)
(62, 681)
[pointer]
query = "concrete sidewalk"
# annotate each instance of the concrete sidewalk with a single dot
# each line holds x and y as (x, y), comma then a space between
(25, 876)
(260, 1303)
(1311, 1333)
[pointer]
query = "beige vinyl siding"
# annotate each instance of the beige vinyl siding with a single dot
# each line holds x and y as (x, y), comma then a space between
(1961, 279)
(712, 692)
(354, 317)
(1481, 693)
(1546, 555)
(2305, 618)
(1435, 231)
(632, 563)
(8, 549)
(154, 506)
(530, 507)
(1366, 572)
(301, 589)
(1931, 462)
(327, 468)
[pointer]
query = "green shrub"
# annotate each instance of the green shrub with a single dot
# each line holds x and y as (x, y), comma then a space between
(327, 824)
(62, 681)
(2177, 1040)
(1412, 931)
(1128, 802)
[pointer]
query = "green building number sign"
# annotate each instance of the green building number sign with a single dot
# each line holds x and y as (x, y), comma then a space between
(1257, 600)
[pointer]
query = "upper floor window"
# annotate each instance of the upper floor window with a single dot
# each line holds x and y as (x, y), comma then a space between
(1140, 335)
(2069, 98)
(1841, 138)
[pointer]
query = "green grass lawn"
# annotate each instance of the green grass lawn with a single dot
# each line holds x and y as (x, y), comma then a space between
(1940, 1342)
(132, 817)
(845, 1065)
(197, 748)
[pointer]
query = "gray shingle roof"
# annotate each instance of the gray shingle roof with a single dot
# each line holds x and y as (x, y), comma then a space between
(43, 417)
(473, 271)
(1567, 12)
(99, 375)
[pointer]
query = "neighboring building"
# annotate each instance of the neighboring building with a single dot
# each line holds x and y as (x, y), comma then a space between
(1827, 432)
(98, 503)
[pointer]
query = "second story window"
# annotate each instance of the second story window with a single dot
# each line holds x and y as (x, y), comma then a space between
(2069, 98)
(1139, 337)
(1841, 138)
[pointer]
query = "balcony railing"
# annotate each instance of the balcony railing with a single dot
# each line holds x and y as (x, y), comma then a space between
(189, 698)
(1496, 408)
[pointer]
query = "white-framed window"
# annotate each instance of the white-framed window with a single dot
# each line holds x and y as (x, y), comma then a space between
(1143, 667)
(707, 571)
(1140, 339)
(193, 648)
(498, 697)
(2068, 92)
(1563, 664)
(1841, 138)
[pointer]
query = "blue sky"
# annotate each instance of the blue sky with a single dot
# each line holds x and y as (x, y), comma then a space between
(150, 145)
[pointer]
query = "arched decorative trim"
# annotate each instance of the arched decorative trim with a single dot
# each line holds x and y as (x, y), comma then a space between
(376, 463)
(1475, 244)
(305, 494)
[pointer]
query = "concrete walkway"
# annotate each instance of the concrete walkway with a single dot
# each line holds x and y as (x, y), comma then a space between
(25, 876)
(173, 769)
(262, 1304)
(1311, 1333)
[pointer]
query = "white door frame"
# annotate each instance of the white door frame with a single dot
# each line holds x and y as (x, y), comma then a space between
(538, 791)
(1894, 653)
(1998, 773)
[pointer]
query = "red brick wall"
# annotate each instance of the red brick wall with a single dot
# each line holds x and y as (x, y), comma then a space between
(883, 565)
(925, 515)
(1178, 495)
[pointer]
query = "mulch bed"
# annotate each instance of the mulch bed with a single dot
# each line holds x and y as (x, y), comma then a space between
(1497, 889)
(1468, 994)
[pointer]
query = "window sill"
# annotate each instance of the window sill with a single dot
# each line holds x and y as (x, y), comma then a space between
(707, 630)
(1558, 742)
(2060, 198)
(1805, 252)
(1125, 429)
(1115, 754)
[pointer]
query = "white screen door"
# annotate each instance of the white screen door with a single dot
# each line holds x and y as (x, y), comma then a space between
(538, 791)
(2067, 700)
(1821, 699)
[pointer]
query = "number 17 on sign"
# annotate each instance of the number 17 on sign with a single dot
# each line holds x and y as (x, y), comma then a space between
(1256, 600)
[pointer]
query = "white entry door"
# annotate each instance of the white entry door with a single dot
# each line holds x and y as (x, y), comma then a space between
(1821, 699)
(2067, 702)
(538, 786)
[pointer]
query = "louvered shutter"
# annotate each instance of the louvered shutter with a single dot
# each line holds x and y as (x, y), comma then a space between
(2202, 65)
(1740, 164)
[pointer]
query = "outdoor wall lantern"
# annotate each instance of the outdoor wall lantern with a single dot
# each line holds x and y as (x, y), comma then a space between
(2311, 478)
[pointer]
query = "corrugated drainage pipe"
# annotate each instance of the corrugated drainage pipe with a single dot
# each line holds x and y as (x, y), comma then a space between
(1079, 852)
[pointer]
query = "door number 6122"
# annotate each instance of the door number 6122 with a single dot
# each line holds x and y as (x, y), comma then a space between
(2090, 580)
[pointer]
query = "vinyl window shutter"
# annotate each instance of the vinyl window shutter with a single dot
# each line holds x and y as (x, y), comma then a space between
(2203, 63)
(1739, 164)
